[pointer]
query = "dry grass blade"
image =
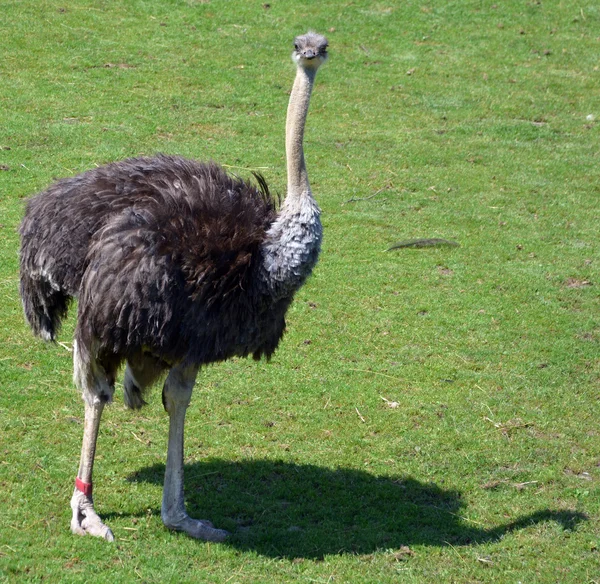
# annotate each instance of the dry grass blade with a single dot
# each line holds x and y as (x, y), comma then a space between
(428, 242)
(355, 199)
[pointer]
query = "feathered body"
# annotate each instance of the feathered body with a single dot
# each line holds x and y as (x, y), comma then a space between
(165, 256)
(175, 264)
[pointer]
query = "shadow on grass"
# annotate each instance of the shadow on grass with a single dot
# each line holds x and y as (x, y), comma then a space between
(290, 510)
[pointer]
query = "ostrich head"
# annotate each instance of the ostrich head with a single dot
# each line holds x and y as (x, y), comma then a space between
(310, 50)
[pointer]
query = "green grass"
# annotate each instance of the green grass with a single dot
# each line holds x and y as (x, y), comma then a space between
(432, 414)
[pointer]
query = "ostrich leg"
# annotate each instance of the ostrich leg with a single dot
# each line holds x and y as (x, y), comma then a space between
(177, 392)
(85, 520)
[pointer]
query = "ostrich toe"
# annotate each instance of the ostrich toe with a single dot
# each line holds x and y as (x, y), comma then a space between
(85, 520)
(199, 529)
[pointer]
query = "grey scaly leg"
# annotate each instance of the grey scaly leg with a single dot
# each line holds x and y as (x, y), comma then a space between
(177, 392)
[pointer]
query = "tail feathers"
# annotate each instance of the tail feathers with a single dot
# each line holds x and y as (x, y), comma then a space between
(141, 373)
(132, 393)
(44, 306)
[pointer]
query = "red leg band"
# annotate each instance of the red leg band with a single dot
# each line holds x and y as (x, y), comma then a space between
(85, 488)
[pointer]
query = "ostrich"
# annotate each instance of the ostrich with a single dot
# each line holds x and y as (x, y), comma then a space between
(175, 264)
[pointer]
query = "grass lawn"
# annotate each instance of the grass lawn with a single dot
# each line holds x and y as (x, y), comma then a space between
(432, 413)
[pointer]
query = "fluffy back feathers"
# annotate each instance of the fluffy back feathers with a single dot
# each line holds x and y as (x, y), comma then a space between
(139, 239)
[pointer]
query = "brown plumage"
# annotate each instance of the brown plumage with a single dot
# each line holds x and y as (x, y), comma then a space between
(160, 205)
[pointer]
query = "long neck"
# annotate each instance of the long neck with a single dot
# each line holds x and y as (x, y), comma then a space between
(294, 132)
(292, 244)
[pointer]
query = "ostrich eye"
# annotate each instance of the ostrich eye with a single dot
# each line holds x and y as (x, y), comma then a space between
(296, 47)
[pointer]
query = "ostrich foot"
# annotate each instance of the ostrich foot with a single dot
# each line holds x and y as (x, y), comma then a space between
(199, 529)
(85, 520)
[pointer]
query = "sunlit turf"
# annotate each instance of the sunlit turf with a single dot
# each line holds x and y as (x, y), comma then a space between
(432, 414)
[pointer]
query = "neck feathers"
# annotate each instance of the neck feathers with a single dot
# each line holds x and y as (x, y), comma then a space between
(293, 242)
